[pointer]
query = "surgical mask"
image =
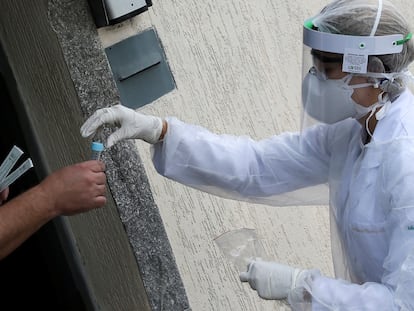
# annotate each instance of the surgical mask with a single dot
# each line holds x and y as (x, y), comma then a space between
(361, 111)
(329, 100)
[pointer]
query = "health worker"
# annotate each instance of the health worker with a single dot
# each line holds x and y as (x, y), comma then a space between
(355, 150)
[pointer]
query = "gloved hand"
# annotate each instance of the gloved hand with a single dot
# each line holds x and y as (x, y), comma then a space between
(132, 124)
(270, 279)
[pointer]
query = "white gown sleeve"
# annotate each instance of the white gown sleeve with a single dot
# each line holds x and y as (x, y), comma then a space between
(339, 295)
(396, 289)
(241, 168)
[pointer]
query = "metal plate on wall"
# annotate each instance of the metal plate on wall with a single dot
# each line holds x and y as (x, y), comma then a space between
(140, 69)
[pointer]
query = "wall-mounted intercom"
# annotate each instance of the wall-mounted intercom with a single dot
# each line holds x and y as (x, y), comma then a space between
(110, 12)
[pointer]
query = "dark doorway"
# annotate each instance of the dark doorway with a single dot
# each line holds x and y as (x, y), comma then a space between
(37, 275)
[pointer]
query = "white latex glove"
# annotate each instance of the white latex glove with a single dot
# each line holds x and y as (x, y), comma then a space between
(270, 279)
(132, 125)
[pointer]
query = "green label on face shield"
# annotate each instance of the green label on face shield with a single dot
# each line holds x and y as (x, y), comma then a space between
(411, 227)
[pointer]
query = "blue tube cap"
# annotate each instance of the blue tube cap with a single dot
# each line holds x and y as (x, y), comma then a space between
(96, 146)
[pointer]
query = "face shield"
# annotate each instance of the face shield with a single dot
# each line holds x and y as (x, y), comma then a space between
(330, 61)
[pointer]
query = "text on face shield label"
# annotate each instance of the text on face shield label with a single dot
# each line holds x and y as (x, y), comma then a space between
(355, 61)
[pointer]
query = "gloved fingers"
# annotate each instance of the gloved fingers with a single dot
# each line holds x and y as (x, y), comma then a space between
(244, 276)
(247, 277)
(91, 124)
(99, 118)
(115, 137)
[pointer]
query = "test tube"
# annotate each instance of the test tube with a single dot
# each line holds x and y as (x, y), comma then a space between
(26, 165)
(97, 148)
(10, 161)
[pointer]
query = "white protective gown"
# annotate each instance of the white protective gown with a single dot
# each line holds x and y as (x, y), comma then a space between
(371, 196)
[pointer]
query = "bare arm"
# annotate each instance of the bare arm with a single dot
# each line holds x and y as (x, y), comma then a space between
(68, 191)
(21, 217)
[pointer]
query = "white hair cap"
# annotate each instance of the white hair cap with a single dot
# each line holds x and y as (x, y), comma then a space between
(372, 18)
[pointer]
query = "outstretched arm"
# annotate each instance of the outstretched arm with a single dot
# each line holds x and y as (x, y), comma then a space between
(68, 191)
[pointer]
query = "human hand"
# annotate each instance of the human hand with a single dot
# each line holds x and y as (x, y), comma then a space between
(3, 195)
(270, 279)
(76, 189)
(132, 124)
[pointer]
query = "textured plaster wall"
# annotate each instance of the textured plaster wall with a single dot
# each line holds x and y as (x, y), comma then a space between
(237, 67)
(124, 250)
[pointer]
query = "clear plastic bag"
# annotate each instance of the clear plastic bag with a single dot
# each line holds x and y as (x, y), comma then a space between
(240, 246)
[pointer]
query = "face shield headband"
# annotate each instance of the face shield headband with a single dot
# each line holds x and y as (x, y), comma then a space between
(326, 92)
(355, 49)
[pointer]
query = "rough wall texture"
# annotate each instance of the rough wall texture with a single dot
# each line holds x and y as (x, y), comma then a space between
(234, 59)
(241, 61)
(128, 183)
(237, 65)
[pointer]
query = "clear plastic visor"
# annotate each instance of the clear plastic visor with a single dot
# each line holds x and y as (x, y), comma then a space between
(329, 63)
(326, 95)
